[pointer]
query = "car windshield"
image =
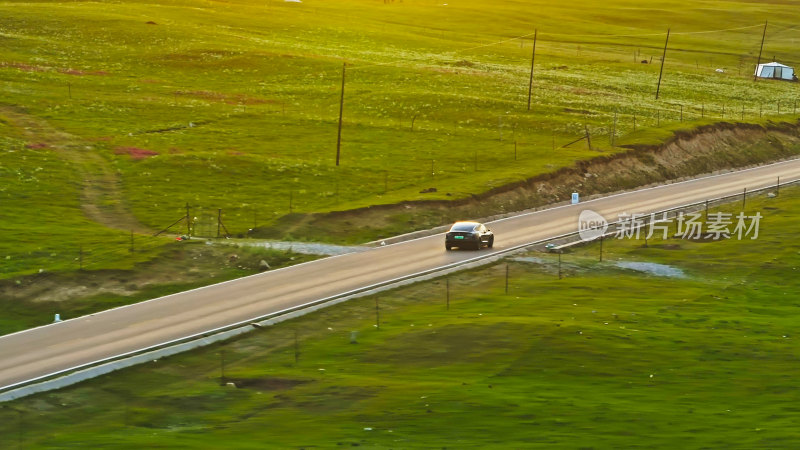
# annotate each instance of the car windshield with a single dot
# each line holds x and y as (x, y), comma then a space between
(463, 227)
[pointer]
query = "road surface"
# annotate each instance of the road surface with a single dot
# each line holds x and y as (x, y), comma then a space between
(42, 351)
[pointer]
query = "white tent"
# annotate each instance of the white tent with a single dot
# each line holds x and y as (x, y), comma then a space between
(775, 70)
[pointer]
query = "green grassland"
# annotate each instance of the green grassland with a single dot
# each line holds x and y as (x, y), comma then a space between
(42, 223)
(234, 105)
(604, 358)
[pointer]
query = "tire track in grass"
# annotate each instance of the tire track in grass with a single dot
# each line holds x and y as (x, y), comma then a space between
(102, 200)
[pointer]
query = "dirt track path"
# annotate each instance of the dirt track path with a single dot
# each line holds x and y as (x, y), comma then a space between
(102, 200)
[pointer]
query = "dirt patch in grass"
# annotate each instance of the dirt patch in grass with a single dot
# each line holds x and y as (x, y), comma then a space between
(24, 67)
(67, 71)
(82, 72)
(101, 195)
(707, 149)
(135, 152)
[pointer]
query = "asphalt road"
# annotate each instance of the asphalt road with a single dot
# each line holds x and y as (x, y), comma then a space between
(44, 350)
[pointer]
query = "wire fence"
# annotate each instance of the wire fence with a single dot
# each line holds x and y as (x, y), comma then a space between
(112, 252)
(568, 243)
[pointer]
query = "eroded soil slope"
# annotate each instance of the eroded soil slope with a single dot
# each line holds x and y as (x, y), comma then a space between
(703, 150)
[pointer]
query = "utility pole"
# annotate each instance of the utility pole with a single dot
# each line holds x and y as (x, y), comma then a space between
(341, 110)
(661, 72)
(533, 57)
(763, 37)
(588, 137)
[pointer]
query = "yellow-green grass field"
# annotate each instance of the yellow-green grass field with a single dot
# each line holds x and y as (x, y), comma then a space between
(234, 105)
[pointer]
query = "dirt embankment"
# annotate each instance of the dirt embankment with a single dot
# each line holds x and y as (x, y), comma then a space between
(691, 153)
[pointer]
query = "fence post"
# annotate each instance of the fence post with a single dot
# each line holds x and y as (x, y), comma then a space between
(219, 220)
(506, 278)
(188, 221)
(601, 248)
(447, 289)
(377, 315)
(222, 367)
(744, 198)
(559, 264)
(296, 347)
